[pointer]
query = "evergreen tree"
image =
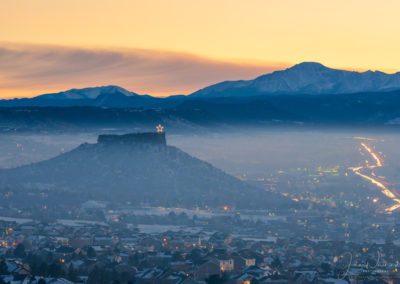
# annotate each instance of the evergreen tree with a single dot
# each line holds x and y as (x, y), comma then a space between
(55, 270)
(42, 269)
(72, 274)
(276, 263)
(3, 268)
(20, 251)
(91, 253)
(98, 276)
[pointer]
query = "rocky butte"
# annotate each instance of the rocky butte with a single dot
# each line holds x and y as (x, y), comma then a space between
(147, 138)
(139, 168)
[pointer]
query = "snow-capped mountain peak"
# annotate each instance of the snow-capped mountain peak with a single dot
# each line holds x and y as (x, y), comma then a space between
(88, 93)
(306, 78)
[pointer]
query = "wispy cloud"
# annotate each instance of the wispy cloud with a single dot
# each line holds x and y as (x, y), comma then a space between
(29, 70)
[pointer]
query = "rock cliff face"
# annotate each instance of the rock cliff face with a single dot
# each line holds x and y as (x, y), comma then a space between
(130, 168)
(149, 138)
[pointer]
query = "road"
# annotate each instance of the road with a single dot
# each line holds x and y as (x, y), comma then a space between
(367, 172)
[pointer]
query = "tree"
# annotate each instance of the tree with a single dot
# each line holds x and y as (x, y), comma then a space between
(276, 263)
(215, 279)
(20, 251)
(100, 215)
(196, 256)
(91, 253)
(125, 276)
(72, 274)
(42, 269)
(93, 276)
(49, 257)
(326, 267)
(97, 276)
(172, 216)
(177, 256)
(3, 268)
(42, 281)
(55, 270)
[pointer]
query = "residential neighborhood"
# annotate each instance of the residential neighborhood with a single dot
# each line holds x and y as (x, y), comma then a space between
(129, 246)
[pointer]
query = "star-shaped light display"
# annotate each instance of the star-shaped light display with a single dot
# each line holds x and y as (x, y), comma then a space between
(160, 128)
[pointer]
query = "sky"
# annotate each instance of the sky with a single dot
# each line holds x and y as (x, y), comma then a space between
(166, 47)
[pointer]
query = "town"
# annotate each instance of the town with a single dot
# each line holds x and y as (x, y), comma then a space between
(172, 245)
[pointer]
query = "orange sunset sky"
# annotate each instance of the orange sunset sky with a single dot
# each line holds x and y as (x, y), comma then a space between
(167, 47)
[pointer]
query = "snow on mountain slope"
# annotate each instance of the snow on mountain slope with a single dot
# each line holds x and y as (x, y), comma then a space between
(306, 78)
(87, 93)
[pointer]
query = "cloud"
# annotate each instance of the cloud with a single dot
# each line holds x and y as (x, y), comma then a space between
(29, 70)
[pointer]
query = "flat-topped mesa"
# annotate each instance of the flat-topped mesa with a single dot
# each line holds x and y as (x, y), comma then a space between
(149, 138)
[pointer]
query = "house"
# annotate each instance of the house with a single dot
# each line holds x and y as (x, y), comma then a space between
(226, 264)
(207, 269)
(240, 262)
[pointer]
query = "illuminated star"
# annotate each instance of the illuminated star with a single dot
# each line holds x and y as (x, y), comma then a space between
(160, 128)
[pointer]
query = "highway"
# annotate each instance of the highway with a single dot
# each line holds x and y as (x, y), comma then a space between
(367, 173)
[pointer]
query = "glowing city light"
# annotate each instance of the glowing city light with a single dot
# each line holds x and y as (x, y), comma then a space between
(376, 181)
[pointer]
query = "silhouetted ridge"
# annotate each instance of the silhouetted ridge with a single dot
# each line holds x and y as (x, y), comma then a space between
(310, 78)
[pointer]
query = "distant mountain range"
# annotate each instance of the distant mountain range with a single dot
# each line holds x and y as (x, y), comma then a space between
(307, 93)
(305, 78)
(107, 96)
(141, 173)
